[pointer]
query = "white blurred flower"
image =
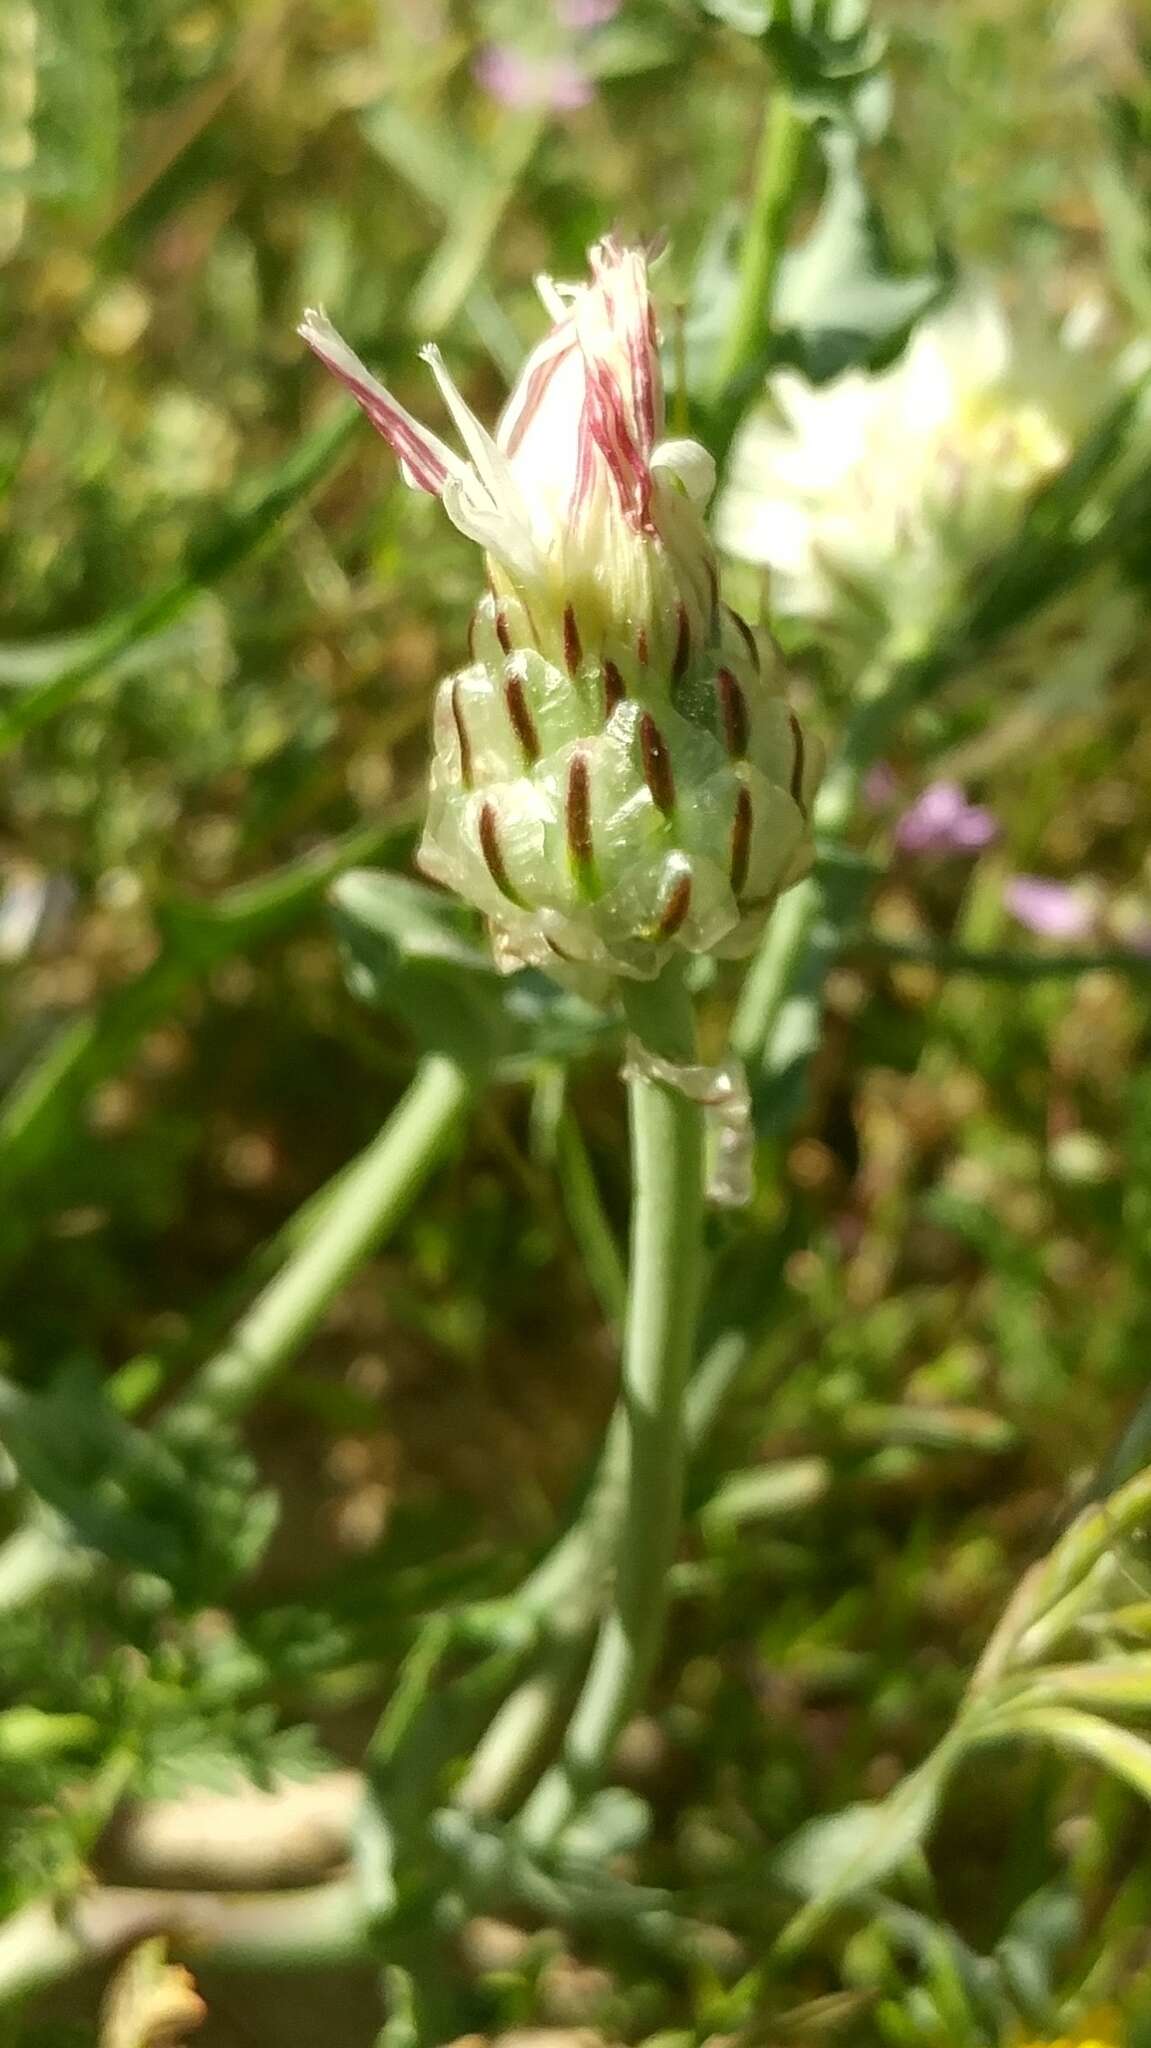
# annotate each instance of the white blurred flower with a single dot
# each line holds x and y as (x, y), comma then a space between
(871, 498)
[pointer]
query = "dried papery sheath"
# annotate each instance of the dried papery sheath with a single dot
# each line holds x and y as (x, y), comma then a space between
(722, 1093)
(617, 774)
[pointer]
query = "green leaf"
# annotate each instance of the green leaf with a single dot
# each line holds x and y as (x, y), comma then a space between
(182, 1746)
(414, 952)
(180, 1502)
(931, 1427)
(1038, 1934)
(835, 1858)
(1098, 1532)
(410, 950)
(784, 1487)
(828, 54)
(840, 301)
(478, 207)
(1116, 1685)
(1127, 1755)
(436, 161)
(1121, 188)
(611, 1823)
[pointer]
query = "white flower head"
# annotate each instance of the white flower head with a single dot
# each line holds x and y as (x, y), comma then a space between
(870, 498)
(579, 504)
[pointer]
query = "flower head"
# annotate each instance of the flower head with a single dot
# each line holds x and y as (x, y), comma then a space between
(872, 498)
(616, 773)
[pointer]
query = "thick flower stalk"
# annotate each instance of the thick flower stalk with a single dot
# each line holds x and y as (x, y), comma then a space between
(617, 775)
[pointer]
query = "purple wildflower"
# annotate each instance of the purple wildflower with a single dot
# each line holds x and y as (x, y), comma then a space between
(942, 821)
(519, 80)
(1054, 910)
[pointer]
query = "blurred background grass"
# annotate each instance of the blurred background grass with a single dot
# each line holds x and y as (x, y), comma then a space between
(962, 1322)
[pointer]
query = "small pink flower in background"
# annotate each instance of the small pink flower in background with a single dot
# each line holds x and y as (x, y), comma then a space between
(587, 13)
(519, 80)
(941, 820)
(1053, 910)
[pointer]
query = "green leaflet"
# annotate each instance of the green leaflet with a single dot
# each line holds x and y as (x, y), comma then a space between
(415, 952)
(840, 300)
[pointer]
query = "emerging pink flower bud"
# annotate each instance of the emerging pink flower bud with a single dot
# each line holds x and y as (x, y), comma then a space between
(616, 773)
(577, 500)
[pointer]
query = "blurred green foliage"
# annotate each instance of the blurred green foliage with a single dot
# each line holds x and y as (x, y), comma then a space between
(222, 621)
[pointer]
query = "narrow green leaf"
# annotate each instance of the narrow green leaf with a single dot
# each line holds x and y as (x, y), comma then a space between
(432, 157)
(931, 1428)
(409, 950)
(1095, 1534)
(1120, 1751)
(414, 952)
(833, 1859)
(784, 1487)
(1119, 1685)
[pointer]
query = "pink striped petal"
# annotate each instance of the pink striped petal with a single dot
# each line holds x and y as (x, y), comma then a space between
(425, 462)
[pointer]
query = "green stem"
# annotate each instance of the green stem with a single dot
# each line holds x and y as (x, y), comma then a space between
(778, 175)
(659, 1335)
(766, 982)
(589, 1223)
(372, 1198)
(761, 1031)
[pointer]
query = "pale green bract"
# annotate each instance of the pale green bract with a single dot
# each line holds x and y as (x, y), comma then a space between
(600, 820)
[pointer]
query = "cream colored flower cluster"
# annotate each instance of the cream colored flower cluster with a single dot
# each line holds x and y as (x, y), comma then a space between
(872, 499)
